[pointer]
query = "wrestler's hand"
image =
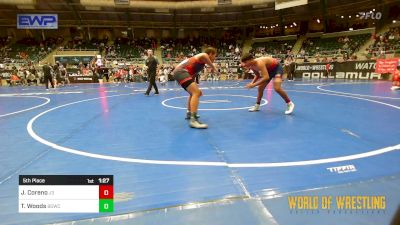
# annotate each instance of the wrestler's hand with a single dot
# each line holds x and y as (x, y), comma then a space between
(250, 85)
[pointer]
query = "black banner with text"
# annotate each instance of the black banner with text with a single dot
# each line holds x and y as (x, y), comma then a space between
(356, 70)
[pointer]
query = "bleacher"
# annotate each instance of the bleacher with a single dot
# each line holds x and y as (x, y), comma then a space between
(127, 51)
(388, 43)
(4, 41)
(176, 50)
(80, 44)
(29, 49)
(274, 48)
(334, 45)
(131, 48)
(173, 50)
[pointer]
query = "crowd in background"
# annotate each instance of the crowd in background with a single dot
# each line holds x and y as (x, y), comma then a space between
(122, 58)
(387, 43)
(29, 49)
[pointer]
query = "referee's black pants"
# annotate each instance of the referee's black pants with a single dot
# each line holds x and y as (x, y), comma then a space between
(48, 78)
(152, 83)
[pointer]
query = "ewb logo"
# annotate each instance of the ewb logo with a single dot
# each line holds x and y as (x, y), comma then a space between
(37, 21)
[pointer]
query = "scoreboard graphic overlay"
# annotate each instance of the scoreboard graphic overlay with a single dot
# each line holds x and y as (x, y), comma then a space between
(66, 193)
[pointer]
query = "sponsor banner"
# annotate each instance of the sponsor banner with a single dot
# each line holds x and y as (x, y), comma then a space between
(73, 60)
(358, 70)
(386, 65)
(37, 21)
(313, 70)
(76, 75)
(81, 79)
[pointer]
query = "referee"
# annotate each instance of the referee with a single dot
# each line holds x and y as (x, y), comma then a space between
(151, 64)
(47, 70)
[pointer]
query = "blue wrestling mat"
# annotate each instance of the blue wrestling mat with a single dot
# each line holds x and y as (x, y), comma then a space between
(343, 139)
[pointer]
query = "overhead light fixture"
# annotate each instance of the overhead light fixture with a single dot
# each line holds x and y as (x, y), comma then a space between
(285, 27)
(121, 2)
(394, 21)
(25, 6)
(342, 17)
(260, 6)
(210, 9)
(349, 16)
(161, 10)
(295, 24)
(93, 8)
